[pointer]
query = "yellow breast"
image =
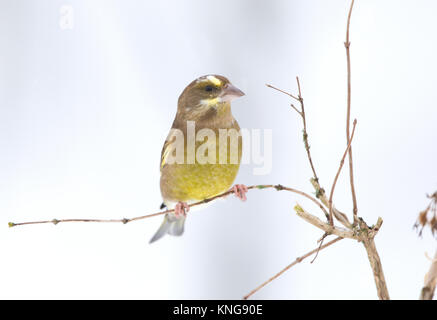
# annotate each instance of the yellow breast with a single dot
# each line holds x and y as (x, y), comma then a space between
(199, 180)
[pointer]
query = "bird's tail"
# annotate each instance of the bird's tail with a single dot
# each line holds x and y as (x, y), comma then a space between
(172, 225)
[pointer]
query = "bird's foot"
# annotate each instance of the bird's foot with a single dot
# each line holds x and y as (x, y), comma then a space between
(181, 209)
(240, 191)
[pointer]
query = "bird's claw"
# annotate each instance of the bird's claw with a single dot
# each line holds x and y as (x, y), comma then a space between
(181, 209)
(240, 191)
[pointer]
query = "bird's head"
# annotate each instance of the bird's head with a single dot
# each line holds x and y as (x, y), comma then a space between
(207, 96)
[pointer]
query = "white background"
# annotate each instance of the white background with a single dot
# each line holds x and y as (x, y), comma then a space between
(84, 113)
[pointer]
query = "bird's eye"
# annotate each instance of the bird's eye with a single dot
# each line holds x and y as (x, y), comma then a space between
(208, 88)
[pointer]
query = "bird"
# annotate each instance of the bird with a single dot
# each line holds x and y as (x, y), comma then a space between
(203, 127)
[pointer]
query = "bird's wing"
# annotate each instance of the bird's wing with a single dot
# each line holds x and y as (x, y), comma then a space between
(167, 148)
(165, 152)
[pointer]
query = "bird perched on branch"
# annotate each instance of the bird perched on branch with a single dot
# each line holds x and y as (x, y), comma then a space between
(202, 153)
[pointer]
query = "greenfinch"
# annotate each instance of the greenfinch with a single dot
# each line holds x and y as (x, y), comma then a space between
(205, 124)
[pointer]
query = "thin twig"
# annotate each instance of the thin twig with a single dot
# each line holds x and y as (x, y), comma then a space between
(303, 116)
(305, 133)
(331, 220)
(298, 260)
(126, 220)
(284, 92)
(296, 109)
(348, 115)
(321, 242)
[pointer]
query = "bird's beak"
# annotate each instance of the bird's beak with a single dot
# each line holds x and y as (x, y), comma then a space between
(230, 92)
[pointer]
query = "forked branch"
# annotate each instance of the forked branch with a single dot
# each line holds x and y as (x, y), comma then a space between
(359, 230)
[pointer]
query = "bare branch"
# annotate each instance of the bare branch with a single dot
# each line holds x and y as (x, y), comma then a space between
(298, 260)
(348, 115)
(331, 220)
(126, 220)
(359, 230)
(430, 282)
(321, 243)
(378, 273)
(296, 109)
(320, 194)
(305, 133)
(303, 116)
(284, 92)
(328, 228)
